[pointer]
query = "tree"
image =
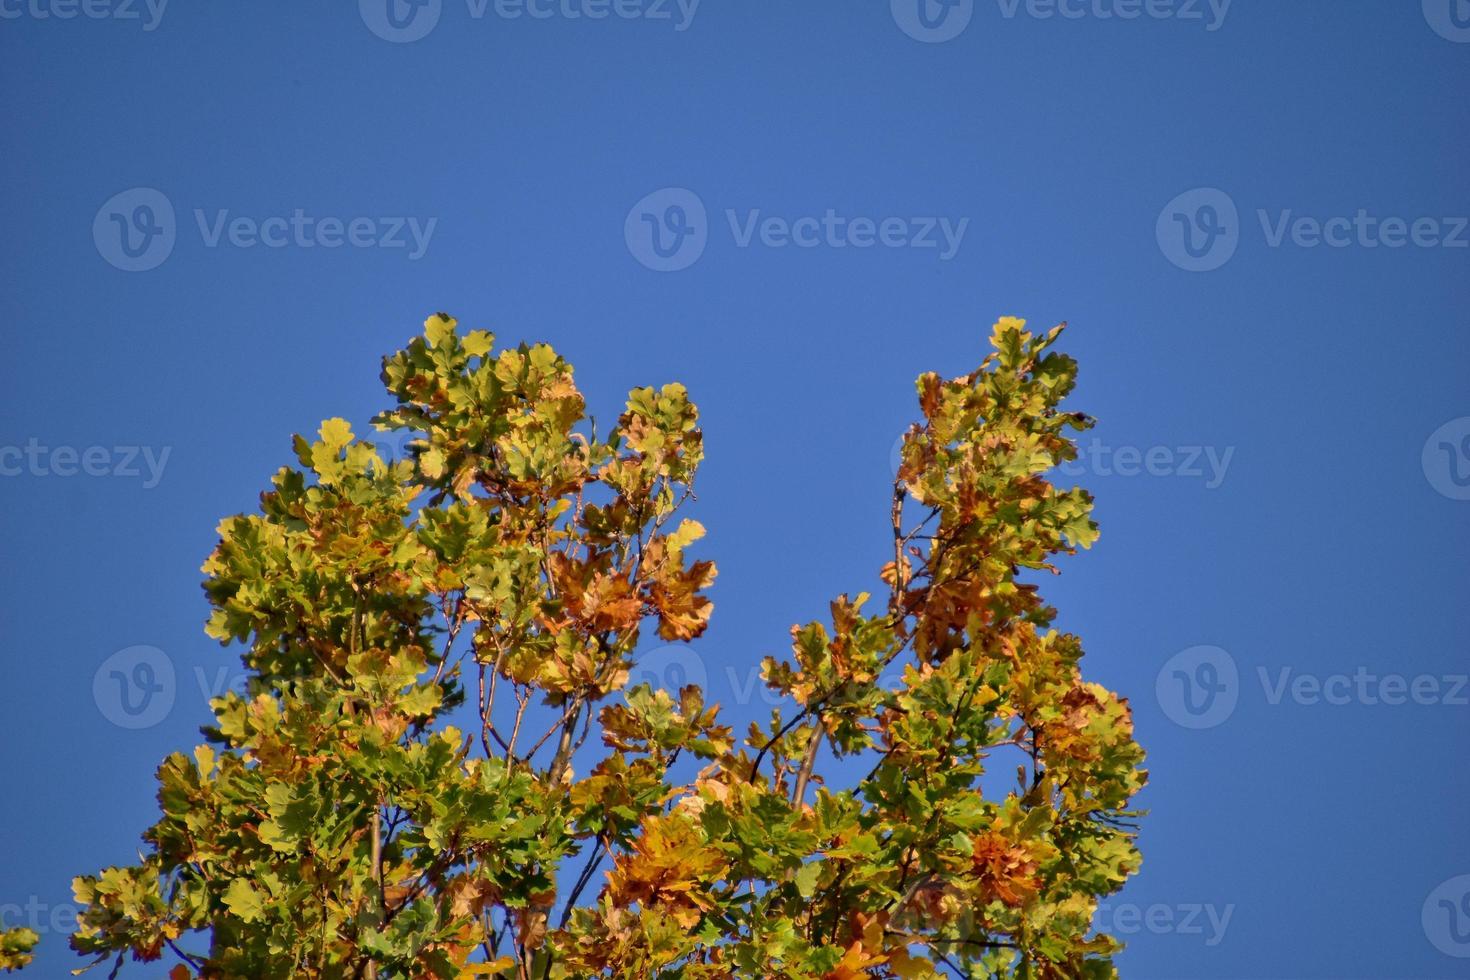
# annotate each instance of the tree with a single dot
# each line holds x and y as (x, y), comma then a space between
(336, 824)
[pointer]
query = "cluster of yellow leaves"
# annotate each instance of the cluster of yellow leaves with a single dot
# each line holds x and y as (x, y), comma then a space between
(669, 869)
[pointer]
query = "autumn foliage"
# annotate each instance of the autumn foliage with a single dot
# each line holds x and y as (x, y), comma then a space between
(432, 640)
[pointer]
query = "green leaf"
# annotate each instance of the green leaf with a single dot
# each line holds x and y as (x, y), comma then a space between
(432, 463)
(336, 434)
(806, 879)
(244, 901)
(478, 343)
(439, 328)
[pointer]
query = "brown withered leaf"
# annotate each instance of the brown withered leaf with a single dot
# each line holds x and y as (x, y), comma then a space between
(683, 613)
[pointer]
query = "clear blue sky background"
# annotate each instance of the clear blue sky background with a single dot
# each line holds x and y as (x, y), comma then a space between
(1331, 546)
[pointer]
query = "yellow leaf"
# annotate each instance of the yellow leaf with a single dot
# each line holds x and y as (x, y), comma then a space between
(477, 343)
(687, 533)
(336, 433)
(438, 327)
(906, 966)
(204, 759)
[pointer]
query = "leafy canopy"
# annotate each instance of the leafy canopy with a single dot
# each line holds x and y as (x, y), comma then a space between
(337, 823)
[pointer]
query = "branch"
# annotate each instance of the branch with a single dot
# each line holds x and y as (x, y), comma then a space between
(896, 519)
(377, 872)
(808, 764)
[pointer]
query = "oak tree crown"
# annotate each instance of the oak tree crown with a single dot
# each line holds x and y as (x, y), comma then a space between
(940, 793)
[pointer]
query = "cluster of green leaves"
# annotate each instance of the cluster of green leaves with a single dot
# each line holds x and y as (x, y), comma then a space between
(16, 946)
(337, 825)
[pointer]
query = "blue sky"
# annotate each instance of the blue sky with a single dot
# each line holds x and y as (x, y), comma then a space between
(219, 217)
